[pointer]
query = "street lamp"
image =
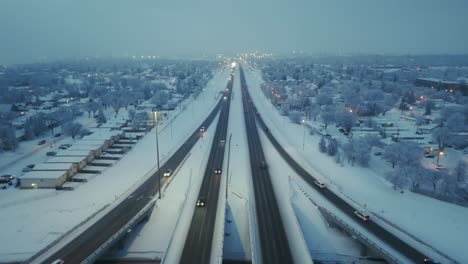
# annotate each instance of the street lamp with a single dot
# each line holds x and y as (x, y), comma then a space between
(440, 153)
(157, 149)
(303, 134)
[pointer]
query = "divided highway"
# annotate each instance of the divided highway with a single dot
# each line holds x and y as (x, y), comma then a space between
(87, 242)
(273, 241)
(198, 244)
(410, 252)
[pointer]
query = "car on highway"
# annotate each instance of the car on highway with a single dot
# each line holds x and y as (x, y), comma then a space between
(202, 129)
(201, 202)
(41, 142)
(363, 216)
(168, 173)
(263, 165)
(223, 140)
(430, 261)
(319, 184)
(58, 261)
(51, 153)
(217, 171)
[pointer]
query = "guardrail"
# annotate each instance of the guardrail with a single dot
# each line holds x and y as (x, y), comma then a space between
(146, 210)
(163, 259)
(361, 237)
(388, 222)
(253, 231)
(56, 241)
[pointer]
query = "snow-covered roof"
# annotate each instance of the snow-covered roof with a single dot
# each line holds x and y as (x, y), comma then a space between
(52, 166)
(72, 153)
(43, 175)
(437, 80)
(68, 159)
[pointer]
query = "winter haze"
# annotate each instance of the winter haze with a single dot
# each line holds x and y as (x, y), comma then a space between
(51, 29)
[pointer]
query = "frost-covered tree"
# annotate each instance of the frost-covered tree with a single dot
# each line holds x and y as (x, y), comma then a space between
(332, 147)
(314, 111)
(285, 109)
(8, 138)
(295, 117)
(101, 117)
(72, 129)
(441, 135)
(460, 171)
(323, 145)
(403, 153)
(357, 150)
(328, 115)
(428, 107)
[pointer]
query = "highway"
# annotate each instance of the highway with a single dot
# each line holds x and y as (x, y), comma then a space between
(272, 236)
(387, 237)
(198, 244)
(87, 242)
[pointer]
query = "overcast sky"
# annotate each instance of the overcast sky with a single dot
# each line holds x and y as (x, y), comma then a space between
(35, 29)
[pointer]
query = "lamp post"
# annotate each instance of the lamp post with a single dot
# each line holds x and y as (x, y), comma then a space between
(439, 153)
(157, 150)
(303, 134)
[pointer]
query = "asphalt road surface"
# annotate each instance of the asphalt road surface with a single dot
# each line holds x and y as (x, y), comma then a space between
(198, 244)
(273, 241)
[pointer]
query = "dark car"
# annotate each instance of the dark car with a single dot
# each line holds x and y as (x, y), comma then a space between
(201, 202)
(51, 153)
(7, 178)
(41, 142)
(263, 165)
(57, 135)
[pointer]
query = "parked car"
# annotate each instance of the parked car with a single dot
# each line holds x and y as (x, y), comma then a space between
(51, 153)
(201, 202)
(364, 217)
(58, 135)
(41, 142)
(217, 171)
(65, 146)
(319, 184)
(168, 173)
(7, 178)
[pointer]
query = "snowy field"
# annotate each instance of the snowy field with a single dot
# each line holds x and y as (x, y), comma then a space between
(38, 217)
(437, 223)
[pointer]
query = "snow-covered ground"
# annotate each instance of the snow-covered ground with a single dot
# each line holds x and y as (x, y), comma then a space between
(437, 223)
(35, 218)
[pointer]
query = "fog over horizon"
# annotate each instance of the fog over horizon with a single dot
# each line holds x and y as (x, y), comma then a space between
(54, 29)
